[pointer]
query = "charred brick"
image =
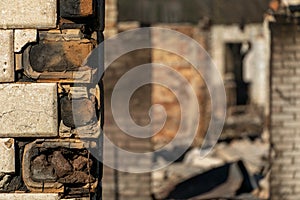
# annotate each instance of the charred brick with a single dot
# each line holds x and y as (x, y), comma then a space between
(61, 165)
(77, 112)
(78, 177)
(76, 8)
(59, 56)
(42, 170)
(81, 163)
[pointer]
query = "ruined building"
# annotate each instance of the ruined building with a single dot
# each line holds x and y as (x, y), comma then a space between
(50, 89)
(238, 43)
(284, 81)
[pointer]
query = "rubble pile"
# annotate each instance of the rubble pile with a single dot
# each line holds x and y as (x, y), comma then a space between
(243, 121)
(62, 166)
(244, 162)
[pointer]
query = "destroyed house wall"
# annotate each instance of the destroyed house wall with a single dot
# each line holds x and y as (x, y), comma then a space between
(285, 110)
(119, 185)
(255, 63)
(163, 96)
(50, 99)
(123, 185)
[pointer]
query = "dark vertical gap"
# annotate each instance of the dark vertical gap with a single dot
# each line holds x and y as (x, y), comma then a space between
(100, 12)
(234, 65)
(100, 38)
(116, 175)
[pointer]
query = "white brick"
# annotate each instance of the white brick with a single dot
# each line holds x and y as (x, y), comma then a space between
(7, 56)
(282, 71)
(28, 14)
(279, 102)
(28, 110)
(291, 109)
(284, 131)
(7, 155)
(31, 196)
(284, 146)
(277, 65)
(291, 79)
(283, 87)
(290, 168)
(286, 190)
(292, 124)
(285, 161)
(282, 117)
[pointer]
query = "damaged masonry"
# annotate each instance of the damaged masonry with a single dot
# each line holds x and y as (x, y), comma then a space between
(255, 46)
(52, 103)
(50, 99)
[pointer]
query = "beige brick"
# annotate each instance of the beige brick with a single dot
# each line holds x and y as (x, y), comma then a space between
(22, 37)
(283, 147)
(276, 80)
(28, 110)
(292, 124)
(7, 155)
(291, 79)
(277, 65)
(7, 73)
(291, 64)
(290, 168)
(291, 109)
(35, 14)
(282, 161)
(283, 87)
(282, 117)
(293, 2)
(31, 196)
(286, 190)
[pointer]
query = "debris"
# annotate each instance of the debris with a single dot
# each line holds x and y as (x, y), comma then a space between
(42, 170)
(252, 154)
(82, 162)
(224, 181)
(194, 158)
(61, 166)
(4, 180)
(77, 177)
(243, 122)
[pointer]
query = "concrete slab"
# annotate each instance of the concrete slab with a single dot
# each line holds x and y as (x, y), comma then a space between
(28, 110)
(34, 14)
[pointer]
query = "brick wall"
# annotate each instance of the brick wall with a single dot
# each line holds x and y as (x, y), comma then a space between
(285, 111)
(120, 185)
(111, 16)
(44, 117)
(163, 96)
